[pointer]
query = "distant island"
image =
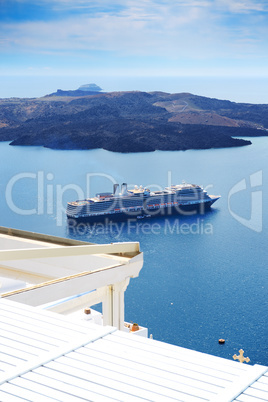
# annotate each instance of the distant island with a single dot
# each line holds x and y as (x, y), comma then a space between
(83, 90)
(131, 121)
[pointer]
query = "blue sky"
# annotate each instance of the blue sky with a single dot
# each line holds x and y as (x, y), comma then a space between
(126, 38)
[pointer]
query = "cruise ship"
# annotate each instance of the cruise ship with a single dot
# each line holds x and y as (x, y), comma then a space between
(140, 202)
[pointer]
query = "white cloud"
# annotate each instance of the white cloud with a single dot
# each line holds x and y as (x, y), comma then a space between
(135, 34)
(232, 5)
(138, 30)
(244, 6)
(178, 33)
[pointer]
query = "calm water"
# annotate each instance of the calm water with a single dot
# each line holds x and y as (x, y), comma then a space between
(204, 277)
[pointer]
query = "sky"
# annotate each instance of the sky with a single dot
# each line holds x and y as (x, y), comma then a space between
(127, 45)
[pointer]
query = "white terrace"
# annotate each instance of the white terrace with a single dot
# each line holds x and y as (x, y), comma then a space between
(46, 356)
(58, 268)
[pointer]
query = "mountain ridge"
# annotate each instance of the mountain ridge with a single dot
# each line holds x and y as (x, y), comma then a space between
(130, 121)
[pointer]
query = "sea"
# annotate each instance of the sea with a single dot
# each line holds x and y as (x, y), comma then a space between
(204, 276)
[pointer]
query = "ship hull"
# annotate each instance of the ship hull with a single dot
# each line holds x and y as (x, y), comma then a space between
(182, 209)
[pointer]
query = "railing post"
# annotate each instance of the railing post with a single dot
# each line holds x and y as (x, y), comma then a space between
(107, 306)
(119, 303)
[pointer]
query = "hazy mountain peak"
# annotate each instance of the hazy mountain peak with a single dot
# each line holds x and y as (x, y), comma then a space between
(90, 88)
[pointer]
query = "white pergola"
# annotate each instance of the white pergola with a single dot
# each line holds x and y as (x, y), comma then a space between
(57, 268)
(47, 356)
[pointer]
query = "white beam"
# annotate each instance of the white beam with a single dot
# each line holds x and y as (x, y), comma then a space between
(47, 269)
(79, 302)
(113, 248)
(18, 274)
(79, 283)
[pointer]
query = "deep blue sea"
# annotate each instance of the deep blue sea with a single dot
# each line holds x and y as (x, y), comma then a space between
(204, 276)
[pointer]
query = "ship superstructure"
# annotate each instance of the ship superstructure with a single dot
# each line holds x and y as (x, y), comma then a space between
(141, 202)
